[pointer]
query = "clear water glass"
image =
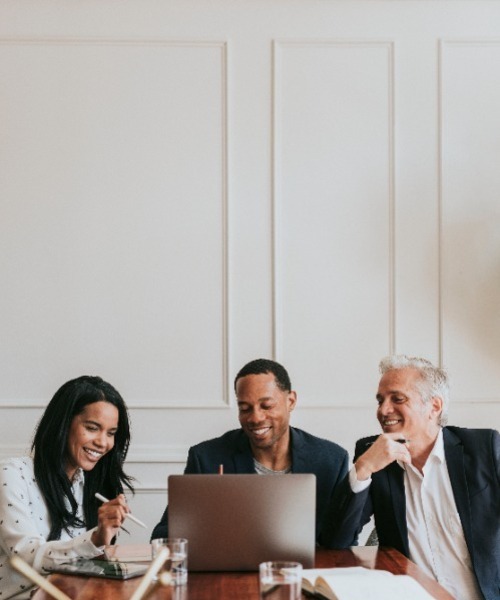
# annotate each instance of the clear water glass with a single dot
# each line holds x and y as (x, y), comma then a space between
(177, 562)
(280, 580)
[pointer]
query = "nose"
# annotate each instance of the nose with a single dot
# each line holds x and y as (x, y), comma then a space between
(256, 416)
(385, 406)
(100, 439)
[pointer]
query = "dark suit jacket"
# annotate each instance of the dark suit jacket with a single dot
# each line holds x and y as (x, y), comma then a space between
(473, 461)
(325, 459)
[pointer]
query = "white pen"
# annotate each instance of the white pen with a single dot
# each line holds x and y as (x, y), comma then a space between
(23, 567)
(129, 515)
(147, 578)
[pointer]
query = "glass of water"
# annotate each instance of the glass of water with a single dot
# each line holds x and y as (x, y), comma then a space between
(176, 563)
(280, 580)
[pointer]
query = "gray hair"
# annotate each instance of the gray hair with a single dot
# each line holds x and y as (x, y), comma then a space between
(433, 380)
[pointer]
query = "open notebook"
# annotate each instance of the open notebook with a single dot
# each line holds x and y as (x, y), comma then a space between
(358, 583)
(235, 522)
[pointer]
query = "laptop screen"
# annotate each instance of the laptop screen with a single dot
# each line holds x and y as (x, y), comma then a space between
(235, 522)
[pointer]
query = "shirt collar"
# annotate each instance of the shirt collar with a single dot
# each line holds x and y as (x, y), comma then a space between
(78, 477)
(437, 452)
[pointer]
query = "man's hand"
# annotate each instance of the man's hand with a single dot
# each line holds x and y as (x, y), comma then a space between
(387, 448)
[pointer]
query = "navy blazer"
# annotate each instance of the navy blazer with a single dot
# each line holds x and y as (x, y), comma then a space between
(310, 454)
(473, 461)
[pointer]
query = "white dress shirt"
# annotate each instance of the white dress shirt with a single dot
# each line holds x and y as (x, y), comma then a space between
(435, 535)
(25, 526)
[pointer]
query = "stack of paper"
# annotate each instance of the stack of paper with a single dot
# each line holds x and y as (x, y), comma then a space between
(128, 552)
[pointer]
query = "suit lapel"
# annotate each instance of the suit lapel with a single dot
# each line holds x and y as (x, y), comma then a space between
(243, 458)
(395, 476)
(454, 453)
(301, 462)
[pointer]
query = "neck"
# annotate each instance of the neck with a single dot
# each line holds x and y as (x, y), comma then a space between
(421, 448)
(272, 462)
(70, 472)
(276, 457)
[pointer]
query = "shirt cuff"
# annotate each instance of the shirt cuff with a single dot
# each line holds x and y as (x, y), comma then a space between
(86, 548)
(356, 485)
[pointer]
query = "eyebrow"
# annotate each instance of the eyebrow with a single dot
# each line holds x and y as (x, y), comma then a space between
(97, 424)
(265, 399)
(391, 393)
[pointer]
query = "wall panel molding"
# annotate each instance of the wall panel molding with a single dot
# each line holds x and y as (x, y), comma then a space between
(132, 404)
(291, 60)
(138, 454)
(469, 218)
(186, 186)
(153, 54)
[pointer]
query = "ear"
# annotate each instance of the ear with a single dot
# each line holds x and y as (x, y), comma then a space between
(291, 400)
(436, 407)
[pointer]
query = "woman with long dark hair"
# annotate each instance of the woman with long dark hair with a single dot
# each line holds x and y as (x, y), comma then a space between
(48, 509)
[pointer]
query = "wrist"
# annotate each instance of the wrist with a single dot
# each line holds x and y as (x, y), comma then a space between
(97, 539)
(363, 472)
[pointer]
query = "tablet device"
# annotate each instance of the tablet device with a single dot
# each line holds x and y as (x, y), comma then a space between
(100, 568)
(235, 522)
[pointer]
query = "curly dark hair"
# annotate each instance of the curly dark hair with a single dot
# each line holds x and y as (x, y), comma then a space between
(264, 365)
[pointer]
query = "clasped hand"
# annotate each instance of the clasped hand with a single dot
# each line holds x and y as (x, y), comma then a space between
(383, 451)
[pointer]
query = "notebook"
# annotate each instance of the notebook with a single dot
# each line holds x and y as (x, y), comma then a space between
(100, 568)
(235, 522)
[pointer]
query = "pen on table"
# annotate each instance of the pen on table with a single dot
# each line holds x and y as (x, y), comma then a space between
(148, 577)
(23, 567)
(221, 469)
(129, 515)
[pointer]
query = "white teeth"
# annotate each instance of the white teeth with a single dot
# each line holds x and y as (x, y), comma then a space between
(93, 453)
(394, 422)
(261, 431)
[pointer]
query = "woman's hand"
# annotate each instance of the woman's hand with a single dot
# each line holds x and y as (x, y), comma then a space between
(110, 517)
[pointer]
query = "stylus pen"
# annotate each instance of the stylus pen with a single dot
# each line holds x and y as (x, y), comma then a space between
(129, 515)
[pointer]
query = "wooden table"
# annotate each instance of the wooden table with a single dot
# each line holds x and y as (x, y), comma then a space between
(235, 586)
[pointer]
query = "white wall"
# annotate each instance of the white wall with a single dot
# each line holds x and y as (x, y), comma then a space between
(186, 185)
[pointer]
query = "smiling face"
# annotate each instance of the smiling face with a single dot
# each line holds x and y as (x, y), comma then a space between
(401, 408)
(264, 411)
(91, 436)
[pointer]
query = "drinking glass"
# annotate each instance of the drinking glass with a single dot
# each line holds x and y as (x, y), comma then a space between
(280, 580)
(176, 563)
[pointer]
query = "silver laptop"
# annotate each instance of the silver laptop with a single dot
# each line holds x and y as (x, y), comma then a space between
(235, 522)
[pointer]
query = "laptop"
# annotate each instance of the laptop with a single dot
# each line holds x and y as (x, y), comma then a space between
(100, 568)
(235, 522)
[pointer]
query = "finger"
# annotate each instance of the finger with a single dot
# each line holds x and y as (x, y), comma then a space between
(406, 458)
(111, 523)
(398, 436)
(121, 500)
(402, 452)
(112, 514)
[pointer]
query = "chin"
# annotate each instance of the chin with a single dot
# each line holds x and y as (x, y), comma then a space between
(262, 444)
(88, 466)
